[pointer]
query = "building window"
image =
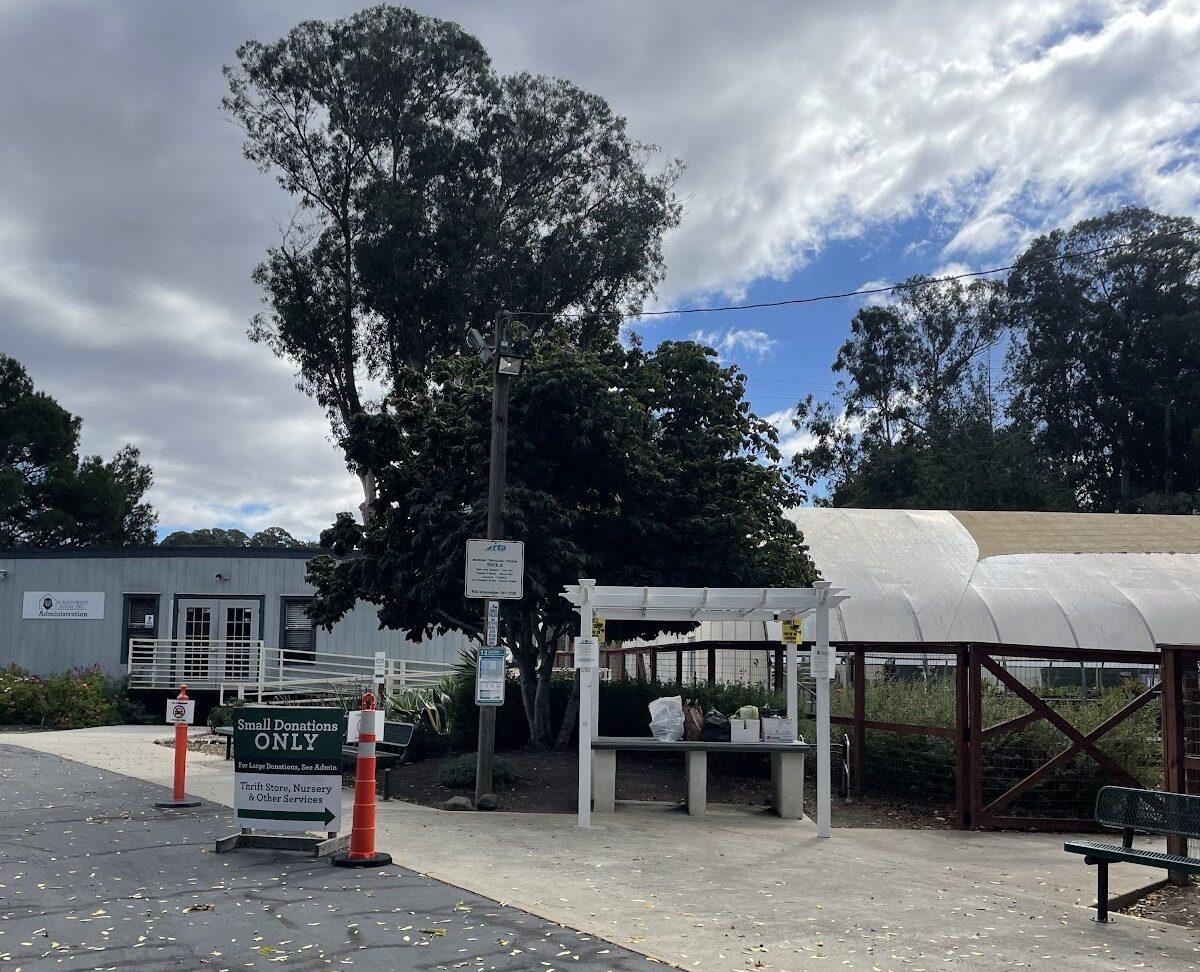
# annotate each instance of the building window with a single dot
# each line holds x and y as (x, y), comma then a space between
(298, 633)
(141, 620)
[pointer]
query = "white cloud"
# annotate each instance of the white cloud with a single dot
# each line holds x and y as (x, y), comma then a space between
(737, 342)
(131, 221)
(791, 439)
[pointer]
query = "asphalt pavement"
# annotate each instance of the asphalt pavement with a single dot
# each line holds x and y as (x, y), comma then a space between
(93, 876)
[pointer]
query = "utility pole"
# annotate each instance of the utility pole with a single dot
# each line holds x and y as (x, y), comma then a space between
(495, 531)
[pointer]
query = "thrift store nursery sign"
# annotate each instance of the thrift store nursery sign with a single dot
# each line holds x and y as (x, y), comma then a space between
(288, 768)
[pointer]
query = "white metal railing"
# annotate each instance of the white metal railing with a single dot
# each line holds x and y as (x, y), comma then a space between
(254, 670)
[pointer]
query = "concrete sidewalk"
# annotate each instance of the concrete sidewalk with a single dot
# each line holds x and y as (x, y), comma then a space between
(739, 890)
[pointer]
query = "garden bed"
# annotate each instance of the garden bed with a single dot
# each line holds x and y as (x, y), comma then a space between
(548, 783)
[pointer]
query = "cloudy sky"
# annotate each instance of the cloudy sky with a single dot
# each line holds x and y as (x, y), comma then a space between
(827, 146)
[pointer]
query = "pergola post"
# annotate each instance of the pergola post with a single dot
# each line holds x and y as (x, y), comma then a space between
(822, 671)
(587, 714)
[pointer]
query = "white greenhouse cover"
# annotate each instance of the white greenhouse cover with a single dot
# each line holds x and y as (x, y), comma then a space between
(916, 575)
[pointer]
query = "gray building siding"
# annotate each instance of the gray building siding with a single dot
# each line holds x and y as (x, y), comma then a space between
(46, 646)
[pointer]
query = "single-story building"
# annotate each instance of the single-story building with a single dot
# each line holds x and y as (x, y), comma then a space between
(206, 615)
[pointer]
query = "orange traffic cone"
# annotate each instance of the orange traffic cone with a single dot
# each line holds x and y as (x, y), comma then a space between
(178, 799)
(362, 851)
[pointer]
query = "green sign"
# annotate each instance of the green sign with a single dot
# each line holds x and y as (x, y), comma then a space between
(288, 767)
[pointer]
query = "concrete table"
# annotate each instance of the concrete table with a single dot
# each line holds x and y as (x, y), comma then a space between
(787, 770)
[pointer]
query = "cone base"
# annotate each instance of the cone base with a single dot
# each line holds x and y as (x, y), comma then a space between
(177, 804)
(344, 859)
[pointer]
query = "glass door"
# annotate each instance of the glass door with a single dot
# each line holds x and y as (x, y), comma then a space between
(239, 627)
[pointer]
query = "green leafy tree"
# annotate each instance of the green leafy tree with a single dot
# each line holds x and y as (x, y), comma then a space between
(49, 495)
(220, 537)
(916, 423)
(433, 192)
(629, 466)
(1106, 365)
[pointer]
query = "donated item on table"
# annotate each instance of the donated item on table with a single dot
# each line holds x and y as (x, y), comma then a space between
(716, 727)
(693, 722)
(744, 730)
(749, 712)
(666, 718)
(777, 729)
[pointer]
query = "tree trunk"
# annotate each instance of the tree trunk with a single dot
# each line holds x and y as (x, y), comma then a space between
(367, 478)
(570, 717)
(541, 733)
(528, 680)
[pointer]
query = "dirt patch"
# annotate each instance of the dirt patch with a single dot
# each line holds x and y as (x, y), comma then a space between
(1170, 903)
(547, 783)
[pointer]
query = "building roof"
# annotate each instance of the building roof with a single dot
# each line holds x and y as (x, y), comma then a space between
(1113, 581)
(130, 553)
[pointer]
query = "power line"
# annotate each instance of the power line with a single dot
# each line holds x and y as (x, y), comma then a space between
(890, 288)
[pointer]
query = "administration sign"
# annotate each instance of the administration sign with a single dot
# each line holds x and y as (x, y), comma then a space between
(288, 768)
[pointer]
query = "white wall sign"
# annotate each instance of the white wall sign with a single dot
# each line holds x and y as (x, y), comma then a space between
(63, 605)
(587, 653)
(180, 712)
(380, 665)
(495, 569)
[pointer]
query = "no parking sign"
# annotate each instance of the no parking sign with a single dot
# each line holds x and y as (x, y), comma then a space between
(181, 712)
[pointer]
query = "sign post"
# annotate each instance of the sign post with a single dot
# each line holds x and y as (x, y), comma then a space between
(181, 712)
(287, 777)
(792, 636)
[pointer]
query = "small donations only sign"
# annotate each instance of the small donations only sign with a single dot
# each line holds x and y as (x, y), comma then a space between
(489, 676)
(495, 569)
(288, 768)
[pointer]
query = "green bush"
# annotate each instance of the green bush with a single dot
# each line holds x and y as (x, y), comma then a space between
(921, 769)
(426, 709)
(221, 716)
(459, 771)
(21, 696)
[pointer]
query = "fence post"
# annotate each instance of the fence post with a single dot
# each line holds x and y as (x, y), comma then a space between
(975, 739)
(858, 741)
(962, 742)
(712, 666)
(678, 666)
(1174, 743)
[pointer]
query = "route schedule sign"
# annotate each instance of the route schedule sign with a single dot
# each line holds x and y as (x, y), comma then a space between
(495, 569)
(288, 768)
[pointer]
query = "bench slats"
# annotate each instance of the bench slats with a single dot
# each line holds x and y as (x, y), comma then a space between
(1149, 811)
(1133, 855)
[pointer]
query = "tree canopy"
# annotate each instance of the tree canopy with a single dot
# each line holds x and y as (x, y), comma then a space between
(1105, 364)
(634, 466)
(49, 495)
(233, 537)
(432, 193)
(1095, 405)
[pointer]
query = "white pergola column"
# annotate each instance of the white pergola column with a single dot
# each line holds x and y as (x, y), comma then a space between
(822, 670)
(587, 709)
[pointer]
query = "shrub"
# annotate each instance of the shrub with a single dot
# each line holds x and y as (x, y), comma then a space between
(426, 709)
(20, 697)
(221, 716)
(459, 771)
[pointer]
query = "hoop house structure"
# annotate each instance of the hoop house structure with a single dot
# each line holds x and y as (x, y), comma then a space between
(701, 604)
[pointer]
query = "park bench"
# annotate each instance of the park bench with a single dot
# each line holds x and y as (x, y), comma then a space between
(787, 769)
(1138, 812)
(390, 751)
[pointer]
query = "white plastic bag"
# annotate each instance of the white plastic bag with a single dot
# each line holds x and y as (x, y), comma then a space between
(666, 718)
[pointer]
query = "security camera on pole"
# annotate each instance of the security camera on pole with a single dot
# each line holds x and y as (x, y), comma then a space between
(493, 565)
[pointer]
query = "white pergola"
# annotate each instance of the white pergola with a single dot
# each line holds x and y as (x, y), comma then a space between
(710, 604)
